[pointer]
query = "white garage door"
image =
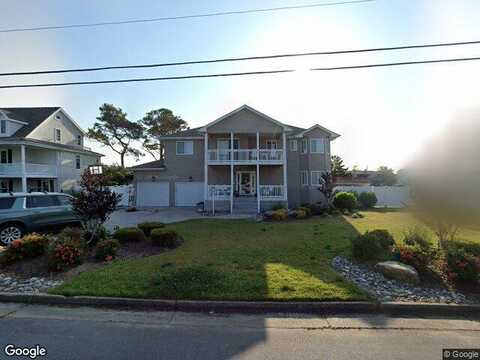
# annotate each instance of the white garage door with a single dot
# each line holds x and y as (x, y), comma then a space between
(153, 194)
(188, 193)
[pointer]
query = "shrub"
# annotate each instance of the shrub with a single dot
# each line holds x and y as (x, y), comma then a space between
(101, 234)
(280, 215)
(128, 234)
(147, 227)
(415, 256)
(299, 213)
(345, 201)
(66, 250)
(307, 211)
(367, 199)
(164, 238)
(316, 209)
(373, 245)
(461, 267)
(107, 249)
(417, 237)
(278, 206)
(30, 246)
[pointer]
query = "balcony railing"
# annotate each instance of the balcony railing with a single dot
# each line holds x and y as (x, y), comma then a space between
(31, 170)
(271, 192)
(248, 156)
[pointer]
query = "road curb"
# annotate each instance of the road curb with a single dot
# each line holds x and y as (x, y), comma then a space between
(250, 307)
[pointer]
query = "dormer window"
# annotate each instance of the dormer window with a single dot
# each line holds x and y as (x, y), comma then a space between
(79, 140)
(3, 126)
(58, 135)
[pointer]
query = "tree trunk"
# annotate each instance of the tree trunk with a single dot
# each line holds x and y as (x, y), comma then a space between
(122, 160)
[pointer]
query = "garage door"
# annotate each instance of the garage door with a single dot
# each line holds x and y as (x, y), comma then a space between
(153, 194)
(188, 193)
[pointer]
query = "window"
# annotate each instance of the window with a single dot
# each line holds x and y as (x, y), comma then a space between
(77, 162)
(317, 146)
(41, 201)
(271, 144)
(293, 145)
(304, 146)
(58, 135)
(64, 200)
(316, 178)
(6, 186)
(184, 147)
(6, 203)
(304, 178)
(6, 156)
(3, 126)
(79, 140)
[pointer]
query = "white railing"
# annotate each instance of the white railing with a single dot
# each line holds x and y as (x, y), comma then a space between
(245, 155)
(271, 192)
(15, 169)
(271, 155)
(220, 192)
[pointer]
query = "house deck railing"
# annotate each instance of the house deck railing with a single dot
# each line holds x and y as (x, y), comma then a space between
(249, 156)
(271, 192)
(31, 170)
(219, 192)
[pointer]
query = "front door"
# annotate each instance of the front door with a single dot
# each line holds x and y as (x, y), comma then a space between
(246, 183)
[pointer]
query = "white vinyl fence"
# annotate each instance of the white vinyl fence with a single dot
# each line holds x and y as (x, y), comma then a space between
(388, 196)
(127, 192)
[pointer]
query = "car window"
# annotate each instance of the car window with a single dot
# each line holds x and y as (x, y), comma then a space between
(64, 200)
(6, 203)
(41, 201)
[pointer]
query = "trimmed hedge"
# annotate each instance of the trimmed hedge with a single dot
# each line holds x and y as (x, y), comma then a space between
(345, 201)
(367, 199)
(164, 238)
(147, 227)
(373, 245)
(128, 234)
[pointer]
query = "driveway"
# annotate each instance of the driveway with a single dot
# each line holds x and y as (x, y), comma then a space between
(122, 218)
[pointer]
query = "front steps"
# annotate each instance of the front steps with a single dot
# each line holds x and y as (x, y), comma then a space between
(245, 205)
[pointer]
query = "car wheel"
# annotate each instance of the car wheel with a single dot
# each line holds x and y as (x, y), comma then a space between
(10, 232)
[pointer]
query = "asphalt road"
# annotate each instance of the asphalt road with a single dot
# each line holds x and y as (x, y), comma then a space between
(84, 333)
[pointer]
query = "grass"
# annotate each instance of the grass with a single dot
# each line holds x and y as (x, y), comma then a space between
(245, 260)
(235, 260)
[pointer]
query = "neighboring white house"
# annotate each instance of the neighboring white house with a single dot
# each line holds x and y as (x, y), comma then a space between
(41, 149)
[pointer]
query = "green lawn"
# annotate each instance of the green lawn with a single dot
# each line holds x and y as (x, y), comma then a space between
(240, 260)
(245, 260)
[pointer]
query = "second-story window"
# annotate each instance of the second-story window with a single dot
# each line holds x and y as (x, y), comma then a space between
(184, 147)
(79, 140)
(316, 178)
(3, 126)
(58, 135)
(304, 177)
(304, 146)
(293, 145)
(317, 146)
(77, 162)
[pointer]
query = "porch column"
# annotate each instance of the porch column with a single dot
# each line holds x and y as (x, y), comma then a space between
(205, 171)
(258, 172)
(23, 168)
(231, 172)
(285, 188)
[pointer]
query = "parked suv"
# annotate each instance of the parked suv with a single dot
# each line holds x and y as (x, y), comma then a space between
(24, 212)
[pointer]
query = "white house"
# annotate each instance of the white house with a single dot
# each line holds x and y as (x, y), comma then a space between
(41, 149)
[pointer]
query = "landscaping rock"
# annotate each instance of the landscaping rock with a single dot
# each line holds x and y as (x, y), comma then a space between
(29, 285)
(398, 271)
(384, 289)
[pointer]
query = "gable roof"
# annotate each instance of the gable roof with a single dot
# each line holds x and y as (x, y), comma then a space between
(332, 134)
(152, 165)
(249, 108)
(189, 133)
(31, 116)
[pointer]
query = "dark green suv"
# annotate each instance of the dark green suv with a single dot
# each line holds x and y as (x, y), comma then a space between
(25, 212)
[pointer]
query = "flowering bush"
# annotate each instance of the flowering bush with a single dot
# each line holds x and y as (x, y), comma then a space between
(415, 256)
(31, 245)
(107, 249)
(461, 267)
(66, 251)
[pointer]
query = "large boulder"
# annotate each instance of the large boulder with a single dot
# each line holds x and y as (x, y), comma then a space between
(398, 271)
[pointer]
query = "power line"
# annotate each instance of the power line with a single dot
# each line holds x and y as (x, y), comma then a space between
(234, 74)
(261, 57)
(181, 17)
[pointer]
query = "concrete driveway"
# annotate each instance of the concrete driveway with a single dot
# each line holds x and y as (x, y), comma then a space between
(122, 218)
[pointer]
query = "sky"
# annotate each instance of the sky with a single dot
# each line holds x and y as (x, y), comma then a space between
(385, 115)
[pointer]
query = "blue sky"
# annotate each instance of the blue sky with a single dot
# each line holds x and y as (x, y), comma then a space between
(384, 115)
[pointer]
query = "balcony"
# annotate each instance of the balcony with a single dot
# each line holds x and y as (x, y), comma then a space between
(267, 192)
(31, 170)
(245, 156)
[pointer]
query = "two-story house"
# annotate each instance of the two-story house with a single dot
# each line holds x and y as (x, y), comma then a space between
(41, 149)
(245, 161)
